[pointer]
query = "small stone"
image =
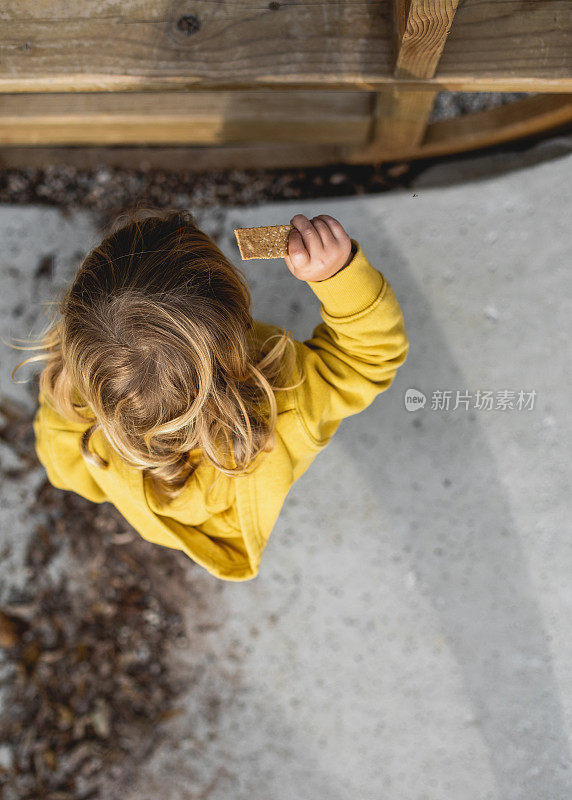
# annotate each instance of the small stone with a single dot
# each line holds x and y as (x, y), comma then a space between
(6, 757)
(397, 170)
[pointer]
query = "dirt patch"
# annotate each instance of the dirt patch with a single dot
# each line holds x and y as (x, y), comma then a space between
(89, 665)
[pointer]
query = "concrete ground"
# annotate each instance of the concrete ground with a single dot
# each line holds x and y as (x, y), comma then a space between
(408, 636)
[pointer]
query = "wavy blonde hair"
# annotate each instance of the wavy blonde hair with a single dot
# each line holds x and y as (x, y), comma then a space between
(154, 343)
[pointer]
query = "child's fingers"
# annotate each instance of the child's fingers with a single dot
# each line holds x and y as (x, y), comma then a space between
(309, 234)
(324, 231)
(297, 254)
(336, 227)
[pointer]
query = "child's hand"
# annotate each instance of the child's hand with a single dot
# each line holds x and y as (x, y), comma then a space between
(317, 248)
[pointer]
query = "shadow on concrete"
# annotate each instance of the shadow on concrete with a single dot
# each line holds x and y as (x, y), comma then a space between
(478, 165)
(464, 548)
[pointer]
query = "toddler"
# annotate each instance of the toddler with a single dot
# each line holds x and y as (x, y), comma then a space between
(162, 395)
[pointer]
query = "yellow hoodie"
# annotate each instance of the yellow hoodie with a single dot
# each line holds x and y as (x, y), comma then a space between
(352, 356)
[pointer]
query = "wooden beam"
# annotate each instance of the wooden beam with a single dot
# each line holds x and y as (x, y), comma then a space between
(143, 45)
(278, 115)
(521, 118)
(78, 84)
(401, 115)
(427, 25)
(531, 116)
(400, 120)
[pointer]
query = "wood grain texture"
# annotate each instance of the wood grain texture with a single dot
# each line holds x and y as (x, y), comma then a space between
(427, 25)
(527, 117)
(400, 14)
(401, 115)
(136, 45)
(278, 115)
(522, 118)
(515, 120)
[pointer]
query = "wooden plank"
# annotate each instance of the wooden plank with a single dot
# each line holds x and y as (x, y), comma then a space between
(531, 116)
(401, 115)
(279, 115)
(136, 45)
(427, 25)
(514, 38)
(78, 84)
(400, 120)
(522, 118)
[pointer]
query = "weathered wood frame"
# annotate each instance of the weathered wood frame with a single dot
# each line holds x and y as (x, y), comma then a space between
(367, 110)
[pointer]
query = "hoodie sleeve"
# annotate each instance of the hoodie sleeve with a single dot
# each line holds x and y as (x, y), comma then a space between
(354, 354)
(57, 448)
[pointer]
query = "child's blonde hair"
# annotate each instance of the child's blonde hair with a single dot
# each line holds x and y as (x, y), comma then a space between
(156, 347)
